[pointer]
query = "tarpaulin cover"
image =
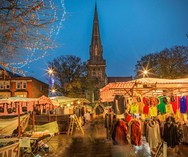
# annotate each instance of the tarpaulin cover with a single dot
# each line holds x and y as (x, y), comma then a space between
(9, 124)
(51, 127)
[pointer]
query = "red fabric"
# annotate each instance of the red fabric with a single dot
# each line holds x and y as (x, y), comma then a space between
(121, 133)
(153, 101)
(128, 118)
(146, 109)
(146, 101)
(175, 104)
(136, 133)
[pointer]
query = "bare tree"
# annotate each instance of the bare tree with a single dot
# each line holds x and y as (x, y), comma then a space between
(24, 29)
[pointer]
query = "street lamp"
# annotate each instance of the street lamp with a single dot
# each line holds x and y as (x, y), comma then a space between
(50, 71)
(145, 73)
(51, 80)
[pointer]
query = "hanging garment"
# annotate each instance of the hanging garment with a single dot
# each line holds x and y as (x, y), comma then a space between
(187, 103)
(136, 133)
(153, 111)
(169, 108)
(171, 130)
(153, 101)
(183, 104)
(134, 108)
(128, 118)
(119, 104)
(161, 105)
(146, 102)
(146, 110)
(139, 102)
(175, 102)
(153, 135)
(177, 115)
(121, 133)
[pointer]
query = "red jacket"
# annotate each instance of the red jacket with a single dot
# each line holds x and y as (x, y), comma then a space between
(136, 133)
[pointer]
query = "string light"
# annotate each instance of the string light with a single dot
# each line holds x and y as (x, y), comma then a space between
(39, 49)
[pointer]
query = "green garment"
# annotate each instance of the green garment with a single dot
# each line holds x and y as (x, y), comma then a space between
(161, 106)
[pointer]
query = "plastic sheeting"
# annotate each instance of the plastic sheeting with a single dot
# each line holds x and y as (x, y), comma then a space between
(51, 127)
(9, 124)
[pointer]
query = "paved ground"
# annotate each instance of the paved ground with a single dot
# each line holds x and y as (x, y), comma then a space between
(94, 144)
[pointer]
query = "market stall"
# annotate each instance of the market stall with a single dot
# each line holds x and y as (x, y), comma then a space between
(65, 107)
(144, 87)
(15, 113)
(143, 102)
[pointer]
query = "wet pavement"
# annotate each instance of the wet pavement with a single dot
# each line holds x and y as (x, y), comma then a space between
(94, 144)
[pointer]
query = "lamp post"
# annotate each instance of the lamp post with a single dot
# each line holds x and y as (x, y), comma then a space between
(52, 89)
(145, 73)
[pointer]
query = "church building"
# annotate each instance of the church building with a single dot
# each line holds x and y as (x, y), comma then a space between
(96, 64)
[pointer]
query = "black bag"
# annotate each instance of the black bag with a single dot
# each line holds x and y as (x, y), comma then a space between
(1, 109)
(9, 110)
(14, 109)
(24, 109)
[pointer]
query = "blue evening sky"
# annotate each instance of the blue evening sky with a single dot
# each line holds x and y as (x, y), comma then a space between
(129, 29)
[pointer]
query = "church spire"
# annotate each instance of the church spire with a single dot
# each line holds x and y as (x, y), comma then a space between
(96, 33)
(96, 46)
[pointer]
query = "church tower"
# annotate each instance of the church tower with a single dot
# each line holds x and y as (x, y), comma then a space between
(96, 65)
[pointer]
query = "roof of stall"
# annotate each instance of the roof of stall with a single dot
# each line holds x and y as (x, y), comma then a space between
(18, 99)
(41, 100)
(144, 87)
(62, 100)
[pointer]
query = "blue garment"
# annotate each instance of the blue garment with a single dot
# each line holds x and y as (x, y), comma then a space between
(183, 106)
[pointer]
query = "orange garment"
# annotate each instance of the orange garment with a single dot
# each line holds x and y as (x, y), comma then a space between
(136, 133)
(121, 133)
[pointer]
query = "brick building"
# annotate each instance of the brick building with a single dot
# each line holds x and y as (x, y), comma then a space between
(13, 85)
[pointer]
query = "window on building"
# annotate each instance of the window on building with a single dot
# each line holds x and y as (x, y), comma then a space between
(24, 85)
(18, 85)
(1, 85)
(21, 85)
(7, 85)
(1, 74)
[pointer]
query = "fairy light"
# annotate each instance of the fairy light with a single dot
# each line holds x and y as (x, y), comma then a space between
(37, 50)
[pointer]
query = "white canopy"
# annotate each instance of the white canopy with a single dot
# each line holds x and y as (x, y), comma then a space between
(144, 87)
(62, 100)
